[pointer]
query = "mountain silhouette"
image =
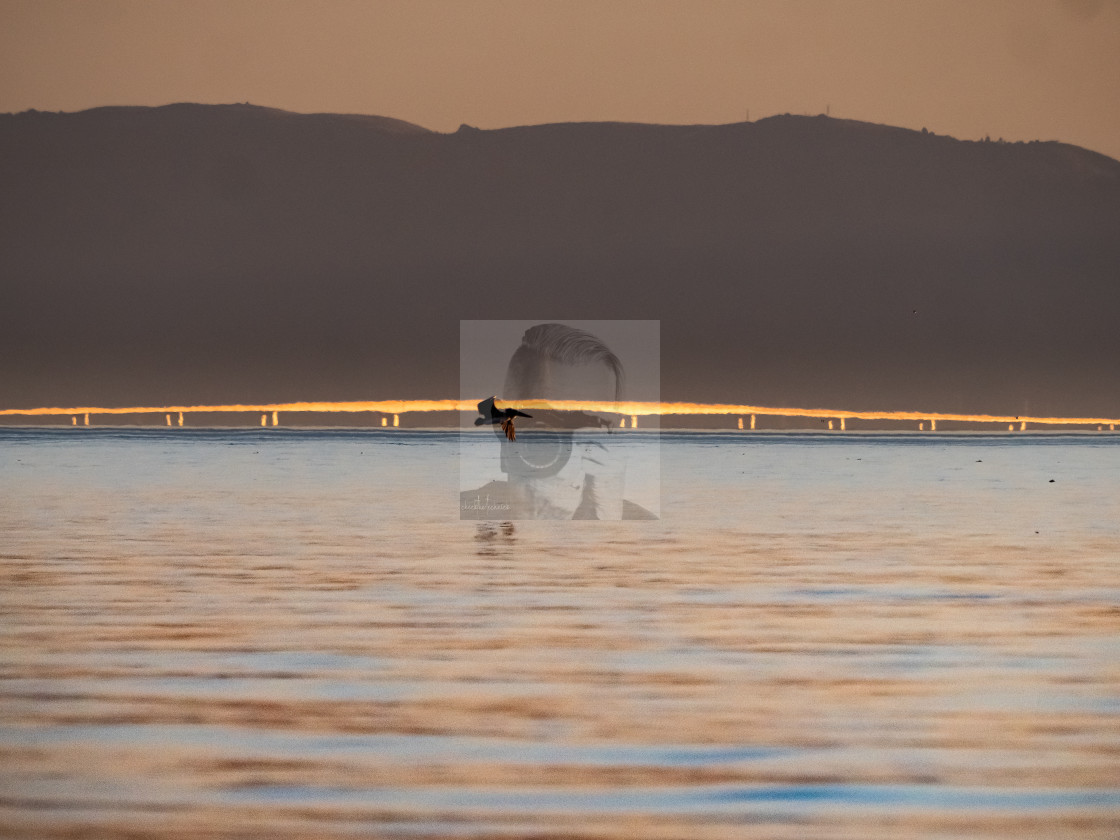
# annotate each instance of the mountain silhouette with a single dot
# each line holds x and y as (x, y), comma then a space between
(197, 253)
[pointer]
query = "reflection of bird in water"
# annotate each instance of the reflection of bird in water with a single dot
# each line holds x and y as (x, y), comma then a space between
(498, 416)
(494, 542)
(486, 531)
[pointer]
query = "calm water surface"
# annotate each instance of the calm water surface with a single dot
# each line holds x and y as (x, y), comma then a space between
(285, 633)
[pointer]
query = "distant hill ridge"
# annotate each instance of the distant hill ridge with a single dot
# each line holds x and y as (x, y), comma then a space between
(1099, 163)
(193, 110)
(216, 253)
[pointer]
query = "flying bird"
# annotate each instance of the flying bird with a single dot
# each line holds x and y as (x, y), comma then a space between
(498, 416)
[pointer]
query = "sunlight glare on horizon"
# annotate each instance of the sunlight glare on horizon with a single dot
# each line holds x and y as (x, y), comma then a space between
(622, 408)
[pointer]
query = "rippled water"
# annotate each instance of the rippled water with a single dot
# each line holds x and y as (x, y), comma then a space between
(291, 634)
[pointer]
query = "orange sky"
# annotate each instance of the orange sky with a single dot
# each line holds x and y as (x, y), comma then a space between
(1017, 69)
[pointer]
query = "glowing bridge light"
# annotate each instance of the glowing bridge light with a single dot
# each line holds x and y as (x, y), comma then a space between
(632, 409)
(276, 418)
(740, 422)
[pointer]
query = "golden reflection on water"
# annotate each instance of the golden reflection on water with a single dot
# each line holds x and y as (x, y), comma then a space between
(296, 639)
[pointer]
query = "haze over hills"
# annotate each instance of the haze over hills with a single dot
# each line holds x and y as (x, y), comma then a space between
(210, 254)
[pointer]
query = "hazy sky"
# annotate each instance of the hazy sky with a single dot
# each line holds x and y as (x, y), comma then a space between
(1017, 69)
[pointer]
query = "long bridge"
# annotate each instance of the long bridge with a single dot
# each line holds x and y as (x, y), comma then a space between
(836, 418)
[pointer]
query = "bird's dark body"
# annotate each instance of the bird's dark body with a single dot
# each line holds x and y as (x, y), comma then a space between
(498, 416)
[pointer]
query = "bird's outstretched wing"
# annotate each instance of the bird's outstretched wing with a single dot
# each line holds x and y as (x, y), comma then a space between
(490, 413)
